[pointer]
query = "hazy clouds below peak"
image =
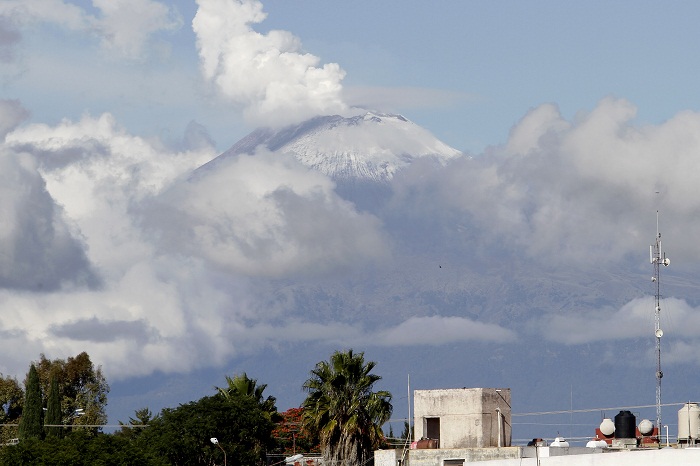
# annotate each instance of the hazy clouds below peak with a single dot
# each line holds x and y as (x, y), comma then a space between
(580, 192)
(196, 267)
(265, 215)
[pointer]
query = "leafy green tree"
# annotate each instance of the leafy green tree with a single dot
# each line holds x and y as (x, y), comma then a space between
(135, 427)
(81, 448)
(82, 385)
(31, 425)
(342, 409)
(182, 435)
(242, 386)
(11, 399)
(53, 418)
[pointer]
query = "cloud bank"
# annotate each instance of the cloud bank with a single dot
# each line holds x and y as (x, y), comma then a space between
(267, 74)
(124, 27)
(128, 250)
(143, 253)
(573, 192)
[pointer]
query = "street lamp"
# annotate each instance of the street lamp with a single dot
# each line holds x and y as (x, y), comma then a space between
(215, 441)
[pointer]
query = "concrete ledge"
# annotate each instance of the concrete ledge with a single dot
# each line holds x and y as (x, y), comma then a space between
(469, 455)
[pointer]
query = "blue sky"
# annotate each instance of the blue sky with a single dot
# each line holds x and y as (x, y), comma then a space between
(577, 114)
(467, 71)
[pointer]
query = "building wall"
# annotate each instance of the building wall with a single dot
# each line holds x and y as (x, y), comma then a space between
(469, 455)
(387, 457)
(468, 417)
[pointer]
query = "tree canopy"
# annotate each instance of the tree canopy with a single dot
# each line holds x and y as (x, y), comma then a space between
(53, 411)
(242, 385)
(31, 424)
(342, 409)
(341, 418)
(83, 388)
(183, 434)
(11, 401)
(291, 436)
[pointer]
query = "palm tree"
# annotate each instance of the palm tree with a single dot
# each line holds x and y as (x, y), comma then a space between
(242, 387)
(343, 411)
(245, 386)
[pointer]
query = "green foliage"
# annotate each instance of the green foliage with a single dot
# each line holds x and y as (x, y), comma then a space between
(11, 400)
(242, 385)
(182, 435)
(144, 417)
(239, 416)
(53, 411)
(31, 423)
(82, 387)
(77, 449)
(342, 409)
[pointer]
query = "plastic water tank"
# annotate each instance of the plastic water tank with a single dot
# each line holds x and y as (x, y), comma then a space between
(559, 442)
(646, 427)
(625, 425)
(688, 421)
(607, 427)
(597, 444)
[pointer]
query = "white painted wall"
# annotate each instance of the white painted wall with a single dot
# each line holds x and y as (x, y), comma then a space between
(469, 417)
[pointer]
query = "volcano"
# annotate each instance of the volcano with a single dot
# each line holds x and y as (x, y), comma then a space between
(369, 147)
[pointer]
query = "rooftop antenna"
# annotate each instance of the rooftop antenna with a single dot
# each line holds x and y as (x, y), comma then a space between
(658, 258)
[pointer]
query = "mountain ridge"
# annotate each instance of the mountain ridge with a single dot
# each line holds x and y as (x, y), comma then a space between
(368, 147)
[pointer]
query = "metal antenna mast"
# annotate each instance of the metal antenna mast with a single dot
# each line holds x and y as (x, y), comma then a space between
(655, 256)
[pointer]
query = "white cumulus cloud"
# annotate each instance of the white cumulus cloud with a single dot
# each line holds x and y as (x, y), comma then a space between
(440, 330)
(571, 192)
(267, 74)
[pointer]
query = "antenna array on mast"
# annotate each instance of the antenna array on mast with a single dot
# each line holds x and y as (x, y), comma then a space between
(658, 258)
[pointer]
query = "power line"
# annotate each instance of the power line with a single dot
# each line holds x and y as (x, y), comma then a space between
(590, 410)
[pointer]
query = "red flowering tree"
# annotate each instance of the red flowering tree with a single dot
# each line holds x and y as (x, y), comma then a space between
(291, 436)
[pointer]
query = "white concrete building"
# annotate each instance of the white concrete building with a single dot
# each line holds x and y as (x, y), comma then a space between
(463, 417)
(473, 426)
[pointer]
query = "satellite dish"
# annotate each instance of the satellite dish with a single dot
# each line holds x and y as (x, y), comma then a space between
(659, 333)
(667, 261)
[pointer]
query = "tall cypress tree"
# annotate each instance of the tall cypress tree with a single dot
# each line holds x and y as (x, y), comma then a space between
(30, 426)
(53, 411)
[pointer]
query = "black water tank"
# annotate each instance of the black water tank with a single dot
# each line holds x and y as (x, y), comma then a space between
(625, 425)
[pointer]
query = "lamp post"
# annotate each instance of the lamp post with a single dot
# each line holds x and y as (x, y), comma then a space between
(215, 441)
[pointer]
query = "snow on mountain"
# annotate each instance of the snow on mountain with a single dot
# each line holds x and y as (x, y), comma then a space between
(369, 147)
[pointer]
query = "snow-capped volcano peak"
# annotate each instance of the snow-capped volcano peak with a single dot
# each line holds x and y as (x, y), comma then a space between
(370, 147)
